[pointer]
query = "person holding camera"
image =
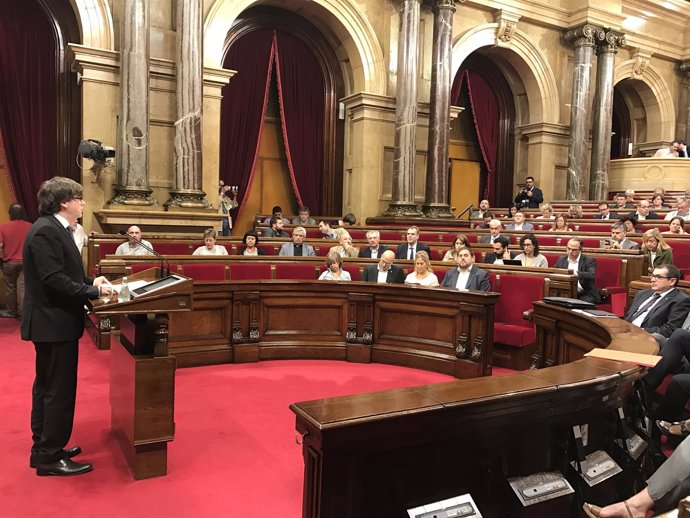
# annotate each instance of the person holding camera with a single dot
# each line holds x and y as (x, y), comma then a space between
(530, 196)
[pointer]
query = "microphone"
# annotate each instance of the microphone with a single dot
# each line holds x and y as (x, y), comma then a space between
(146, 247)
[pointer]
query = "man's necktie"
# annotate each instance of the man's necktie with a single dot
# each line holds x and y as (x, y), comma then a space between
(410, 253)
(644, 307)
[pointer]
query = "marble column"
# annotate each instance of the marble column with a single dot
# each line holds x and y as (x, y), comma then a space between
(133, 127)
(436, 192)
(584, 40)
(685, 68)
(603, 115)
(405, 148)
(187, 192)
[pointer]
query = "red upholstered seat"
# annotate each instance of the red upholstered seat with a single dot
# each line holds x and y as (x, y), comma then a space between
(107, 249)
(440, 273)
(517, 336)
(358, 234)
(552, 258)
(249, 272)
(547, 240)
(681, 253)
(608, 275)
(429, 237)
(436, 254)
(204, 272)
(391, 236)
(353, 271)
(323, 250)
(136, 268)
(492, 281)
(295, 271)
(172, 248)
(314, 233)
(591, 242)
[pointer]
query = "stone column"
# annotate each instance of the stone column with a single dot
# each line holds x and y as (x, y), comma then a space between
(436, 192)
(187, 192)
(405, 148)
(133, 127)
(603, 114)
(685, 67)
(583, 39)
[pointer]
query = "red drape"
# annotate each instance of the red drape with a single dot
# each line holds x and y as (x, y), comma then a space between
(301, 93)
(28, 98)
(243, 108)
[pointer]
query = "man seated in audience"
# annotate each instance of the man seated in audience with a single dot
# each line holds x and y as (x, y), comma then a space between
(277, 213)
(668, 152)
(304, 217)
(483, 207)
(643, 212)
(409, 250)
(326, 231)
(466, 276)
(605, 212)
(663, 308)
(682, 149)
(621, 203)
(132, 247)
(374, 250)
(520, 223)
(681, 210)
(584, 267)
(619, 240)
(297, 248)
(276, 229)
(630, 197)
(500, 246)
(488, 216)
(385, 271)
(495, 228)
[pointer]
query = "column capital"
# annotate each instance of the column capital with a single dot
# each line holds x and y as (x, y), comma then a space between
(685, 68)
(585, 35)
(612, 42)
(438, 5)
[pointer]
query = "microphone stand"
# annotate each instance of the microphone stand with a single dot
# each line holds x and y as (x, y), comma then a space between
(150, 249)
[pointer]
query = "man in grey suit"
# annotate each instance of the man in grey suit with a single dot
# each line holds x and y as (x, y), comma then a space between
(466, 276)
(619, 241)
(520, 223)
(385, 271)
(495, 228)
(297, 248)
(584, 267)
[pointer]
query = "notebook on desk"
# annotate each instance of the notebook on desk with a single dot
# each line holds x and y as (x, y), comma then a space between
(569, 303)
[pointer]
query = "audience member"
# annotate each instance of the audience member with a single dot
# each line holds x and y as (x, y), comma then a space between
(501, 252)
(483, 207)
(250, 240)
(605, 212)
(422, 273)
(277, 213)
(466, 276)
(334, 269)
(495, 228)
(681, 209)
(519, 223)
(621, 203)
(409, 250)
(488, 217)
(374, 250)
(668, 152)
(276, 229)
(560, 224)
(349, 219)
(227, 200)
(682, 149)
(512, 210)
(546, 211)
(658, 202)
(575, 211)
(676, 226)
(619, 240)
(304, 217)
(643, 212)
(298, 248)
(131, 246)
(531, 256)
(584, 267)
(655, 248)
(12, 236)
(529, 196)
(630, 197)
(345, 248)
(326, 230)
(630, 224)
(210, 247)
(461, 241)
(385, 271)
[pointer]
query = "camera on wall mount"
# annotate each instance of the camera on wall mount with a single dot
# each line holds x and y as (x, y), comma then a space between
(101, 155)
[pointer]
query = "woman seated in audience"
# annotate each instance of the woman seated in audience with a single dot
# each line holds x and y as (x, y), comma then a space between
(422, 274)
(656, 249)
(676, 226)
(334, 269)
(488, 216)
(460, 242)
(546, 211)
(630, 224)
(560, 224)
(251, 239)
(513, 210)
(345, 248)
(575, 211)
(531, 256)
(658, 202)
(210, 247)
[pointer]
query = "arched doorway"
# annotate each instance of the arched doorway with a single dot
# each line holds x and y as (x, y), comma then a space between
(621, 127)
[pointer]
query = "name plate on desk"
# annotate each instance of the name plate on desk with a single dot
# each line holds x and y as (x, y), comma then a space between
(139, 288)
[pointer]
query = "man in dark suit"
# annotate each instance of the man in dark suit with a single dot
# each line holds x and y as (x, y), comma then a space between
(643, 212)
(53, 319)
(663, 308)
(619, 240)
(409, 249)
(605, 212)
(466, 276)
(500, 246)
(385, 271)
(530, 196)
(584, 267)
(374, 250)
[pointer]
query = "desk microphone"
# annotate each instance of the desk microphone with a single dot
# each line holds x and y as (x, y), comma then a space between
(146, 247)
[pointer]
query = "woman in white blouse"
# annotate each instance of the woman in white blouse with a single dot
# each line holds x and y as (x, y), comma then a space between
(531, 256)
(210, 247)
(422, 274)
(334, 269)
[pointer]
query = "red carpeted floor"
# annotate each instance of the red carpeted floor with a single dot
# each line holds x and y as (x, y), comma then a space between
(234, 452)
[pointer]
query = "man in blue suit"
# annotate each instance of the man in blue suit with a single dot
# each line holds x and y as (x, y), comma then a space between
(466, 276)
(409, 249)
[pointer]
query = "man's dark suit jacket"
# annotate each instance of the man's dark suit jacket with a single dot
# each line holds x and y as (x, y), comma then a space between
(395, 274)
(478, 279)
(56, 287)
(664, 318)
(532, 201)
(401, 252)
(612, 215)
(586, 271)
(491, 258)
(651, 215)
(366, 251)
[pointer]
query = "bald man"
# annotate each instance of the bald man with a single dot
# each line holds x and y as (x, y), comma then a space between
(131, 247)
(385, 271)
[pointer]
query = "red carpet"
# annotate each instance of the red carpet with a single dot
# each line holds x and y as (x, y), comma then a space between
(234, 453)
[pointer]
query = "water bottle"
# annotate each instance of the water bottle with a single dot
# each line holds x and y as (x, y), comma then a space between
(123, 296)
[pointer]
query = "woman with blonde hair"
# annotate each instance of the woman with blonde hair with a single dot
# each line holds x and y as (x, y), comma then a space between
(575, 211)
(422, 274)
(345, 248)
(334, 269)
(655, 248)
(460, 242)
(210, 247)
(546, 211)
(560, 224)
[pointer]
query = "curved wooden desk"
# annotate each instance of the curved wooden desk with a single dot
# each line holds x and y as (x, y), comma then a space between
(377, 454)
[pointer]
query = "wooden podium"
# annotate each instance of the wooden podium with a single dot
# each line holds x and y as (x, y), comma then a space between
(142, 373)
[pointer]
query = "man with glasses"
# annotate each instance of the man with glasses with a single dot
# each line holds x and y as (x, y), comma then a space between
(385, 271)
(605, 212)
(530, 196)
(132, 246)
(584, 267)
(409, 250)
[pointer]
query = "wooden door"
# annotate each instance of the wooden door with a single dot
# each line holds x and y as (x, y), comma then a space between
(464, 184)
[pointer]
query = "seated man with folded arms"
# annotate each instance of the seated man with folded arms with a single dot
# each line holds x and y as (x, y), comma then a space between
(409, 249)
(619, 240)
(374, 250)
(276, 229)
(297, 248)
(385, 271)
(584, 267)
(500, 252)
(131, 247)
(519, 223)
(466, 276)
(495, 228)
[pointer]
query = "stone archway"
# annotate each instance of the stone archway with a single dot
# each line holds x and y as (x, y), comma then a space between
(95, 23)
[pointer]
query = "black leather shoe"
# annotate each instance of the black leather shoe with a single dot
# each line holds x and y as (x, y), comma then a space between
(63, 468)
(69, 453)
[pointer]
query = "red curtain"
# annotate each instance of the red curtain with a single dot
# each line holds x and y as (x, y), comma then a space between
(28, 98)
(301, 93)
(243, 108)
